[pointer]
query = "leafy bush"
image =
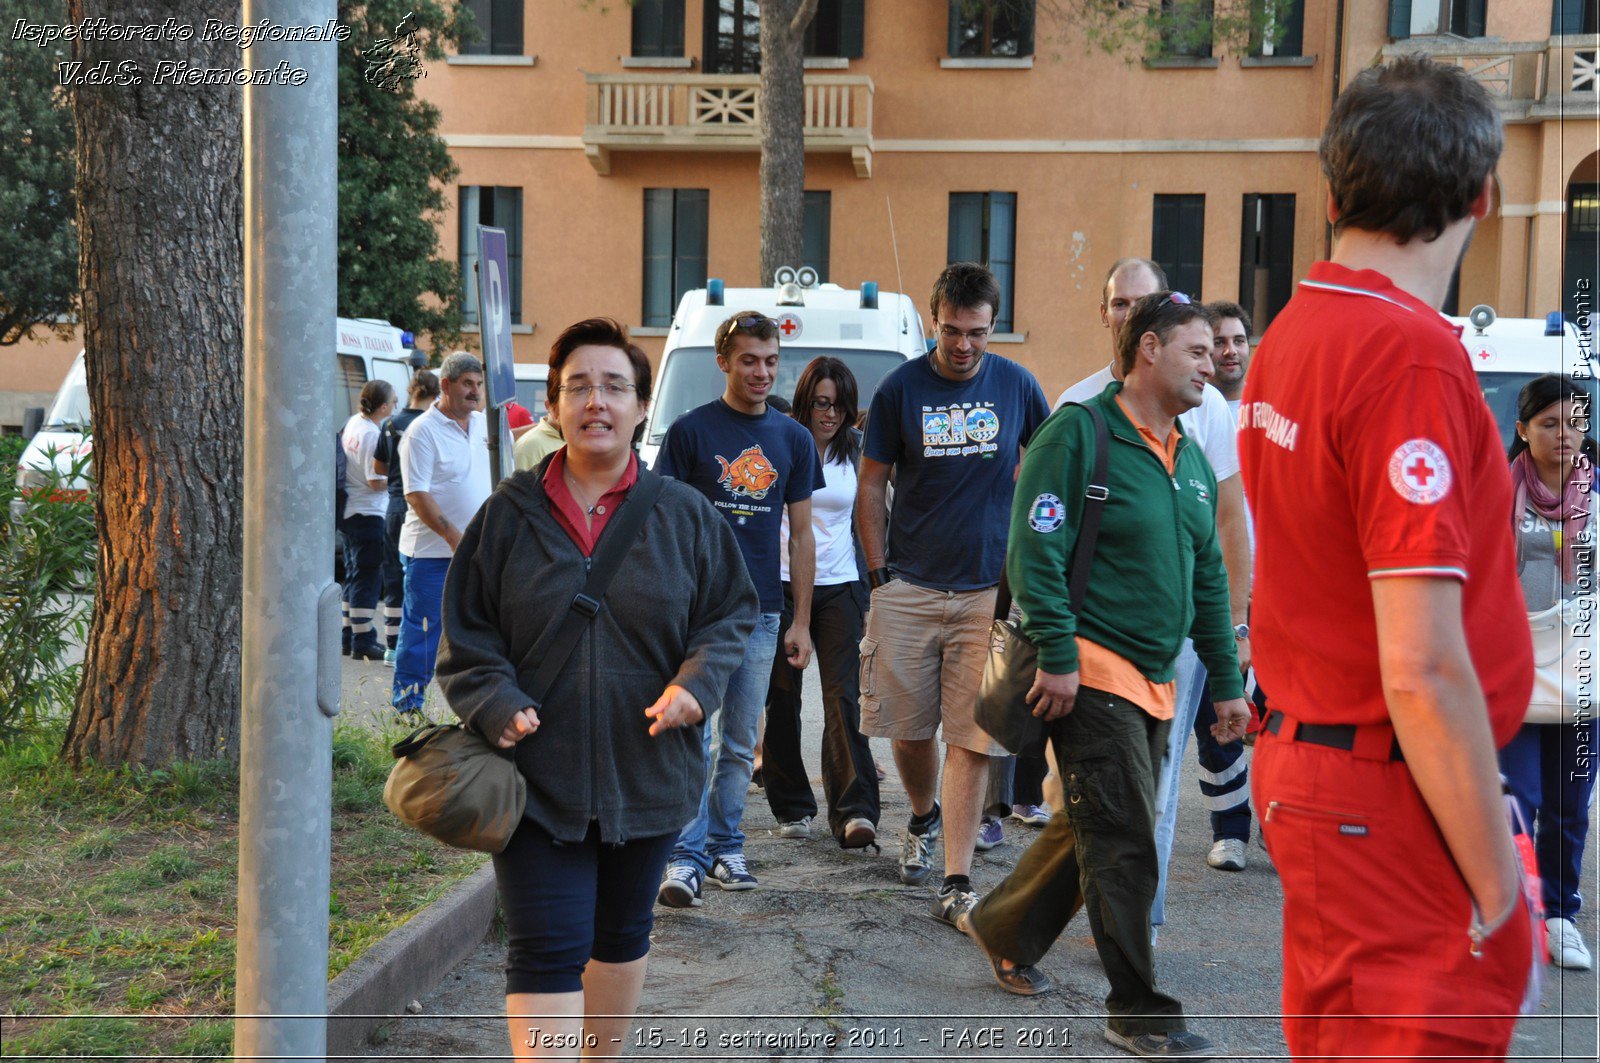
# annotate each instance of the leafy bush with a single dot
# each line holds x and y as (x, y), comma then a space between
(46, 560)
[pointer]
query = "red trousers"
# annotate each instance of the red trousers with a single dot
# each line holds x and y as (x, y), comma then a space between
(1376, 958)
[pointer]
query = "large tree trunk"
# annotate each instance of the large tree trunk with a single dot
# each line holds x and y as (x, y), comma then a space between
(783, 153)
(161, 266)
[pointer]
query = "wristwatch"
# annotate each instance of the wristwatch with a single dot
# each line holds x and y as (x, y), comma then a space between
(1241, 632)
(877, 578)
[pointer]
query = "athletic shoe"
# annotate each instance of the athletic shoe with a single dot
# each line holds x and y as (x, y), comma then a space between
(1178, 1045)
(730, 872)
(1031, 815)
(953, 906)
(859, 833)
(1025, 981)
(916, 852)
(795, 828)
(389, 656)
(990, 834)
(681, 887)
(1566, 945)
(1227, 854)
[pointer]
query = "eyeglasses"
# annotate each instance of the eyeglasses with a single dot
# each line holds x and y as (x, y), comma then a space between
(975, 335)
(1179, 298)
(823, 405)
(752, 321)
(581, 392)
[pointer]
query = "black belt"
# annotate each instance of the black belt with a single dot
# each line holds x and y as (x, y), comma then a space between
(1335, 736)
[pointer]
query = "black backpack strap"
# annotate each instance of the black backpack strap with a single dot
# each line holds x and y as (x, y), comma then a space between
(1094, 504)
(615, 542)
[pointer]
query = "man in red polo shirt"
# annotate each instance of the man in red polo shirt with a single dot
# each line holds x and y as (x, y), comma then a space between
(1388, 624)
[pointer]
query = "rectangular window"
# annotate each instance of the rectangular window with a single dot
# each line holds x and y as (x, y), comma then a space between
(675, 236)
(1427, 18)
(1574, 16)
(1277, 27)
(658, 29)
(999, 29)
(838, 29)
(983, 229)
(1266, 256)
(732, 37)
(1186, 28)
(497, 27)
(498, 208)
(1178, 241)
(814, 239)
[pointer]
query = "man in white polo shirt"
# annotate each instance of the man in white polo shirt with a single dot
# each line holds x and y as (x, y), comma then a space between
(444, 460)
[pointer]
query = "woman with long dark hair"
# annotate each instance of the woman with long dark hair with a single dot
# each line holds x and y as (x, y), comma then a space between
(1553, 518)
(825, 403)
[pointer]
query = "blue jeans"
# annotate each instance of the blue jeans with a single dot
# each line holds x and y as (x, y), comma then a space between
(420, 620)
(730, 753)
(1547, 770)
(1186, 704)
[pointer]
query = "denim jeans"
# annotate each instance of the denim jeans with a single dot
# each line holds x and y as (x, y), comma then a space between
(1186, 703)
(419, 629)
(730, 753)
(1546, 767)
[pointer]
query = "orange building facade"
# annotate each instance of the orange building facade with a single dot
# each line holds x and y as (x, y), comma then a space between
(618, 145)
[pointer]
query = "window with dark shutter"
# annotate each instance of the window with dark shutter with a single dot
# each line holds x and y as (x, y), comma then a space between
(498, 208)
(676, 223)
(1278, 31)
(837, 29)
(658, 29)
(815, 231)
(1266, 256)
(983, 229)
(1186, 28)
(1178, 240)
(1574, 16)
(497, 27)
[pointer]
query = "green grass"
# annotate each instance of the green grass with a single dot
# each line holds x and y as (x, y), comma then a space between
(118, 895)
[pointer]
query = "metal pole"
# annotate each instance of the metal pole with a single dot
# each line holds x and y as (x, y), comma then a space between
(290, 218)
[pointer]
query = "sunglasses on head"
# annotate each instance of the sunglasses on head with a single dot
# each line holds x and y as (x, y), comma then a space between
(1179, 298)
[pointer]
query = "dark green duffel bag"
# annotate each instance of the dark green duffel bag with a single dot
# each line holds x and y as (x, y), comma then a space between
(452, 785)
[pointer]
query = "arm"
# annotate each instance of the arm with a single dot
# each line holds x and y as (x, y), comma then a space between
(1037, 566)
(724, 611)
(802, 582)
(428, 511)
(1234, 537)
(872, 511)
(1442, 723)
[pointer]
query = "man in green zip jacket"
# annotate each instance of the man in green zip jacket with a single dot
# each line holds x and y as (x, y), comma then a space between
(1105, 680)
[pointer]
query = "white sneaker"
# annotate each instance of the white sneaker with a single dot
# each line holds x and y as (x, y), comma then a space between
(1566, 945)
(797, 828)
(1227, 854)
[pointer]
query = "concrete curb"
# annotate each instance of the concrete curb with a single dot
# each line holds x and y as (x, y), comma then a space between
(408, 962)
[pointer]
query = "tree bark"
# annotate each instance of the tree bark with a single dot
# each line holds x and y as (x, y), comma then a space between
(161, 266)
(783, 153)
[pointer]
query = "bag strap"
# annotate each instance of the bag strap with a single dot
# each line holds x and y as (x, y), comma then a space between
(1094, 504)
(615, 542)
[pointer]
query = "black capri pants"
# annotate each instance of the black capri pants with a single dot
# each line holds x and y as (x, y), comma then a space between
(569, 903)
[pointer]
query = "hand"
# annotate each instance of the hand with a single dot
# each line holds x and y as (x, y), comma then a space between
(1053, 696)
(676, 707)
(1242, 647)
(1233, 716)
(452, 535)
(797, 646)
(523, 724)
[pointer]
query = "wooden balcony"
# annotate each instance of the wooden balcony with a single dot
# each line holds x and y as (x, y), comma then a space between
(1529, 80)
(719, 112)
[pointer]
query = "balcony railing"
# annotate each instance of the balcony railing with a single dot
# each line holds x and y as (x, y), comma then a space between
(1529, 80)
(719, 112)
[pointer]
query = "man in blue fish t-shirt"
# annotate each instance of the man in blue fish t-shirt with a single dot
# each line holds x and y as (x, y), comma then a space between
(751, 462)
(950, 427)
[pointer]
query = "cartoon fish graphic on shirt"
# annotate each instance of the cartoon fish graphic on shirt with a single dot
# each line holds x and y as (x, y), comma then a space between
(750, 474)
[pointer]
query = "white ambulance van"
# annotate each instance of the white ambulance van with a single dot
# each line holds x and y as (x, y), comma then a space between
(1506, 353)
(365, 349)
(870, 332)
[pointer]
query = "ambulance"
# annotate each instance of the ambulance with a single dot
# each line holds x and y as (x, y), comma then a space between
(871, 332)
(364, 349)
(1506, 353)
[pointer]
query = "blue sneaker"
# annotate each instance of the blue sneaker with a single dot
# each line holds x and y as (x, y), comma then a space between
(990, 834)
(730, 872)
(681, 887)
(1031, 815)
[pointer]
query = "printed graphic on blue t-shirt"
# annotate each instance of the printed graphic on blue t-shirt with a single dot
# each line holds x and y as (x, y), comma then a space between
(955, 446)
(750, 467)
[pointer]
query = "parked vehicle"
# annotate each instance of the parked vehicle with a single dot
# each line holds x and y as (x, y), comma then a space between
(1506, 353)
(533, 387)
(869, 332)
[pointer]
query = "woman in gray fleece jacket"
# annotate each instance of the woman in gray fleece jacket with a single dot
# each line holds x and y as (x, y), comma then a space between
(613, 759)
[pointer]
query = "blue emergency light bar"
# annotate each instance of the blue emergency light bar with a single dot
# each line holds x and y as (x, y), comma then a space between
(1552, 323)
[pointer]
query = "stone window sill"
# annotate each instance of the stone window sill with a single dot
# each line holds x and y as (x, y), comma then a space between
(825, 62)
(657, 62)
(516, 330)
(1183, 62)
(648, 330)
(950, 62)
(492, 60)
(1008, 337)
(1249, 61)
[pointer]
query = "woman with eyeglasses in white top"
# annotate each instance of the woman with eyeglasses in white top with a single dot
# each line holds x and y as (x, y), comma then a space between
(825, 403)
